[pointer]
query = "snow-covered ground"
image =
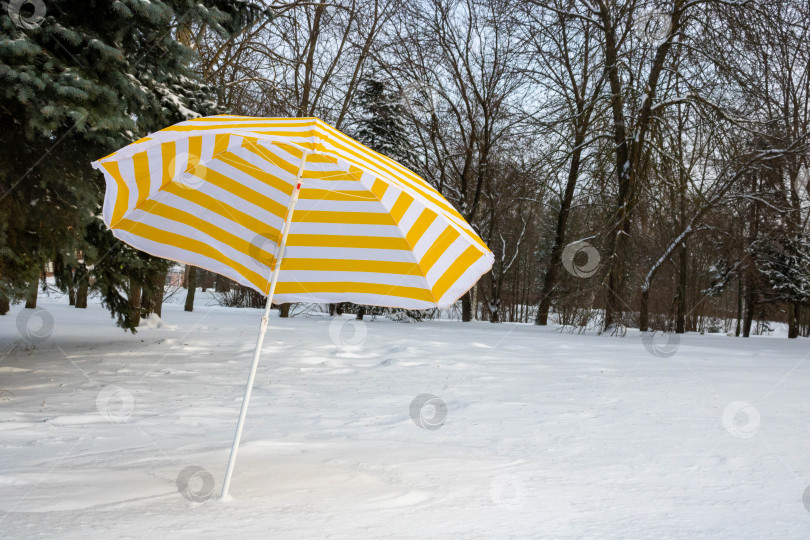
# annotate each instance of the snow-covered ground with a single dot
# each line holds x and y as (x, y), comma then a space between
(392, 430)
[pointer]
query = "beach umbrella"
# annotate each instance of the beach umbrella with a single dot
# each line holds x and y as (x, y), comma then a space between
(294, 209)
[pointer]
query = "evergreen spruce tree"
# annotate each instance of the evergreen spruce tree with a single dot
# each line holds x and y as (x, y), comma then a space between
(80, 79)
(380, 125)
(785, 263)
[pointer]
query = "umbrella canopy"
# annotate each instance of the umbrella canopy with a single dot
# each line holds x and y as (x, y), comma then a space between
(294, 209)
(214, 192)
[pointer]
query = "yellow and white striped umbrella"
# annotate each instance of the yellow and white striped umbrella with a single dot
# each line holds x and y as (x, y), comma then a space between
(214, 192)
(237, 195)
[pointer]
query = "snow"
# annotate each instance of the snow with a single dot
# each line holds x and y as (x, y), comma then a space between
(525, 431)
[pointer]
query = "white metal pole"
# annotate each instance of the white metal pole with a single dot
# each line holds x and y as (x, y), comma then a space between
(263, 328)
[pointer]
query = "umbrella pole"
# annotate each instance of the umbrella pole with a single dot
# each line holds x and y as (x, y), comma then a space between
(262, 330)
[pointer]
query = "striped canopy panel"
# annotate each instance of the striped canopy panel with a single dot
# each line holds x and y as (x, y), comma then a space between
(213, 192)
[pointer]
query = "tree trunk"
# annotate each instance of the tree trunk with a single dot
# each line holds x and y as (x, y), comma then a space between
(644, 313)
(680, 314)
(466, 307)
(628, 150)
(739, 306)
(81, 293)
(794, 229)
(152, 294)
(4, 303)
(793, 320)
(550, 279)
(146, 297)
(31, 295)
(284, 310)
(157, 293)
(620, 220)
(222, 284)
(360, 313)
(751, 272)
(618, 264)
(474, 301)
(495, 303)
(135, 301)
(749, 312)
(192, 287)
(185, 276)
(71, 295)
(680, 317)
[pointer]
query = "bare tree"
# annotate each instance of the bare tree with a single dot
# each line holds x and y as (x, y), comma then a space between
(455, 63)
(568, 69)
